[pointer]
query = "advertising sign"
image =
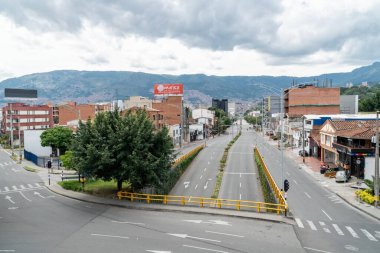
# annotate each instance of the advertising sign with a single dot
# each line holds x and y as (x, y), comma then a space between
(168, 89)
(20, 93)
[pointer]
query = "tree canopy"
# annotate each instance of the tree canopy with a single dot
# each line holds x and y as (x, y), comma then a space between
(57, 137)
(123, 148)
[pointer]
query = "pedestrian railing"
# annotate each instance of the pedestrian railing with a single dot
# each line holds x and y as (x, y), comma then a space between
(203, 202)
(276, 190)
(183, 157)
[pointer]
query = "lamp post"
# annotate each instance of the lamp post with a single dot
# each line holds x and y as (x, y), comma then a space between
(303, 139)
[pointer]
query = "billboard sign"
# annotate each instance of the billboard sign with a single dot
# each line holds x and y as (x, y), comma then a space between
(20, 93)
(168, 89)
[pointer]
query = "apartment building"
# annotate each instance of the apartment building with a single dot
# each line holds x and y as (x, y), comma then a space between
(170, 107)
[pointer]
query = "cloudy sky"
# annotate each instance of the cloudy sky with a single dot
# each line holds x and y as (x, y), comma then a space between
(215, 37)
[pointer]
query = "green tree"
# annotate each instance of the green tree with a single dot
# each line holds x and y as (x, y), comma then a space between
(67, 160)
(124, 149)
(57, 137)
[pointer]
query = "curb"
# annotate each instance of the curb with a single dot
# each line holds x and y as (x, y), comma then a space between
(283, 220)
(356, 207)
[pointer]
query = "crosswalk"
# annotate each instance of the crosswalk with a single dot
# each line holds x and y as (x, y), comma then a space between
(7, 163)
(339, 229)
(15, 188)
(335, 199)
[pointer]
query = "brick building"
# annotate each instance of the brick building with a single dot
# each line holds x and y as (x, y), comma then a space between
(26, 117)
(154, 115)
(170, 107)
(137, 101)
(309, 99)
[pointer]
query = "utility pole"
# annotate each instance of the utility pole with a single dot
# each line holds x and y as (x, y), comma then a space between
(262, 117)
(282, 136)
(376, 179)
(303, 139)
(181, 127)
(19, 139)
(11, 128)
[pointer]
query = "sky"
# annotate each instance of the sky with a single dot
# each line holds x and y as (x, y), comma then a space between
(213, 37)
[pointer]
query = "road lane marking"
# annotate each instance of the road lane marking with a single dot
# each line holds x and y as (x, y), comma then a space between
(13, 208)
(299, 223)
(219, 233)
(183, 236)
(10, 199)
(6, 188)
(324, 228)
(241, 173)
(353, 233)
(204, 169)
(158, 251)
(25, 197)
(307, 195)
(240, 184)
(205, 187)
(240, 196)
(318, 250)
(7, 250)
(368, 234)
(338, 230)
(37, 184)
(311, 224)
(326, 214)
(287, 173)
(22, 187)
(30, 186)
(201, 177)
(206, 249)
(186, 184)
(295, 181)
(377, 234)
(39, 194)
(14, 187)
(196, 187)
(112, 236)
(127, 222)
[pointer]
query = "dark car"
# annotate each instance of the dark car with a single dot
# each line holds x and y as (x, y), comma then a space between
(303, 153)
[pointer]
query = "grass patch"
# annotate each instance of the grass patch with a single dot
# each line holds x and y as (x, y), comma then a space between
(30, 169)
(265, 186)
(94, 187)
(222, 164)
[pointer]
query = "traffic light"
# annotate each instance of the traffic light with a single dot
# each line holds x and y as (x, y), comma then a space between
(286, 185)
(49, 164)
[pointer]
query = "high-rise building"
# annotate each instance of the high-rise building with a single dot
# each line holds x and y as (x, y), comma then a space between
(220, 104)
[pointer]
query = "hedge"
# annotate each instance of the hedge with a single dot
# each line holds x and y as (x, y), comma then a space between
(265, 186)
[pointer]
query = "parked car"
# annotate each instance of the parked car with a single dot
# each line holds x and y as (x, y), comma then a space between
(341, 176)
(302, 153)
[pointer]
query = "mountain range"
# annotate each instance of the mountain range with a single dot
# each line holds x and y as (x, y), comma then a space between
(94, 86)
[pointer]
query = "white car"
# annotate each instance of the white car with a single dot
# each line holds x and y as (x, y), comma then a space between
(341, 176)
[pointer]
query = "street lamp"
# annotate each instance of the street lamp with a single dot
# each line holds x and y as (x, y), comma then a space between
(376, 179)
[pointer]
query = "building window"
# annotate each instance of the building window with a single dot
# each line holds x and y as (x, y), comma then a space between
(154, 117)
(328, 140)
(323, 139)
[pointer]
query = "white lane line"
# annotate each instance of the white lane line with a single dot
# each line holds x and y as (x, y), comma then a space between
(205, 187)
(30, 186)
(196, 187)
(338, 230)
(7, 250)
(377, 234)
(208, 163)
(127, 222)
(324, 228)
(317, 250)
(195, 247)
(6, 188)
(112, 236)
(25, 197)
(38, 185)
(295, 181)
(299, 223)
(240, 175)
(14, 187)
(311, 224)
(368, 234)
(183, 236)
(218, 233)
(22, 187)
(326, 214)
(205, 169)
(353, 233)
(240, 184)
(201, 177)
(307, 195)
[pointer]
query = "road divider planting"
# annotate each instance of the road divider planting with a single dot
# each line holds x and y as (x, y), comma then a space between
(179, 167)
(271, 191)
(222, 165)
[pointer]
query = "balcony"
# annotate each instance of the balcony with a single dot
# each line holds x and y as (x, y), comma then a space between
(355, 149)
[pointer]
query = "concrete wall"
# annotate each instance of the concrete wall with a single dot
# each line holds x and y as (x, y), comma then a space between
(349, 104)
(32, 143)
(369, 168)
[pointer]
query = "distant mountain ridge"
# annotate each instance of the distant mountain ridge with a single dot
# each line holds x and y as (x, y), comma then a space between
(94, 86)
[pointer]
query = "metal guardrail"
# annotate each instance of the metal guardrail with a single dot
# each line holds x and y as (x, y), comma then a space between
(183, 157)
(280, 197)
(203, 202)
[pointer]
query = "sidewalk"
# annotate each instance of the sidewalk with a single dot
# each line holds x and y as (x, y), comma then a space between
(56, 177)
(345, 191)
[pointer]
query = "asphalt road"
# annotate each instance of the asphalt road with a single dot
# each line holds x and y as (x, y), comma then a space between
(325, 223)
(32, 219)
(240, 178)
(199, 178)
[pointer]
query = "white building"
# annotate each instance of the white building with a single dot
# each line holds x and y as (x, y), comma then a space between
(231, 108)
(137, 101)
(196, 132)
(175, 134)
(349, 104)
(204, 116)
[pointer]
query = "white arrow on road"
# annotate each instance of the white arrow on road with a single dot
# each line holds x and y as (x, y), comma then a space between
(205, 187)
(159, 251)
(184, 236)
(214, 222)
(186, 184)
(39, 194)
(10, 199)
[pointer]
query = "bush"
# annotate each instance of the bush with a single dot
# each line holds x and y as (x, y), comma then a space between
(366, 196)
(265, 186)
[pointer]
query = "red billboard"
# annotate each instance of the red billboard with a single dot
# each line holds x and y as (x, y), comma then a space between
(168, 89)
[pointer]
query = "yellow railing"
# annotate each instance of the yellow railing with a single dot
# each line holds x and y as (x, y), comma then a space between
(183, 157)
(203, 202)
(273, 185)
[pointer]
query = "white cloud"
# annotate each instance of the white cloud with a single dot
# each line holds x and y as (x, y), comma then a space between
(176, 37)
